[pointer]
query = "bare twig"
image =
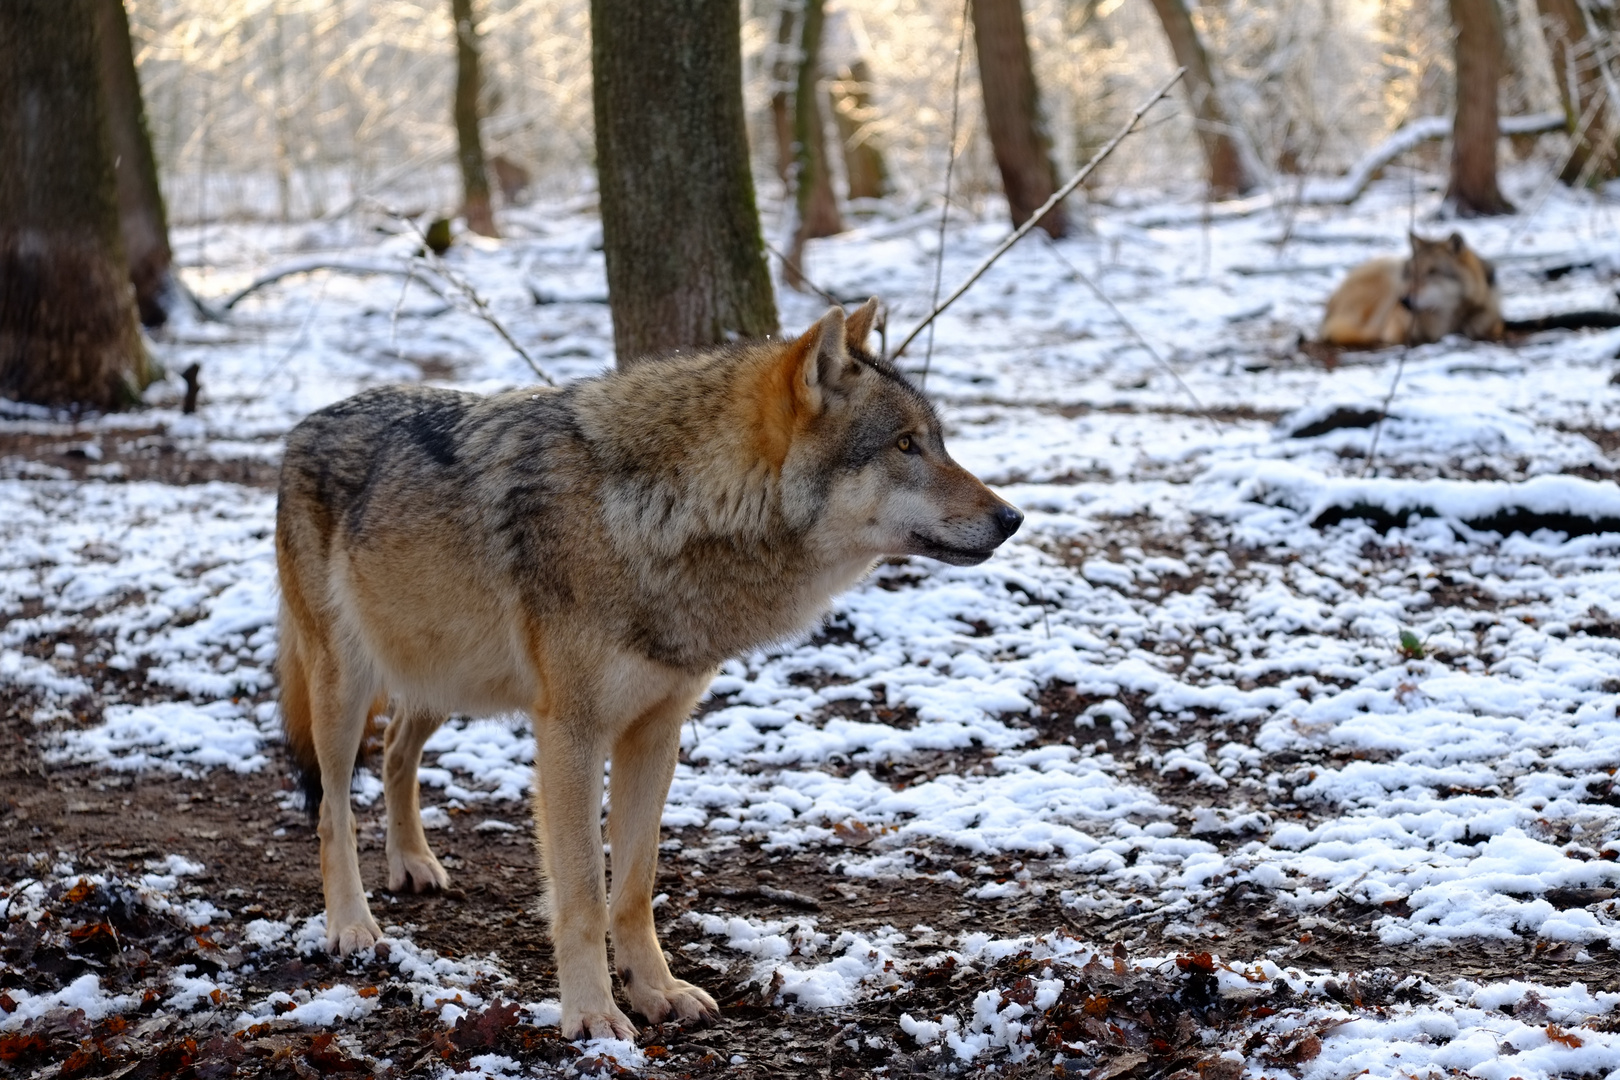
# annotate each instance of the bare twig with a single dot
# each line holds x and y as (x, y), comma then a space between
(945, 203)
(1057, 196)
(803, 277)
(1383, 410)
(480, 308)
(1130, 329)
(313, 266)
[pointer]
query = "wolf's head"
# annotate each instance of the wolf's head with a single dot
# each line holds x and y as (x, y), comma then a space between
(862, 454)
(1450, 289)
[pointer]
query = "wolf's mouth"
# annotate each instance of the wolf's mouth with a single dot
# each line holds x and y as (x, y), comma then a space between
(945, 553)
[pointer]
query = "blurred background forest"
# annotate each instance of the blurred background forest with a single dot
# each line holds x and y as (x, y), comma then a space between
(289, 108)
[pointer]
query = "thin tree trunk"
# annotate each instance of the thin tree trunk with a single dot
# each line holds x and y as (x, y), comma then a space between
(1229, 174)
(851, 101)
(470, 147)
(1578, 71)
(783, 67)
(1018, 138)
(1473, 191)
(141, 214)
(68, 334)
(680, 230)
(813, 193)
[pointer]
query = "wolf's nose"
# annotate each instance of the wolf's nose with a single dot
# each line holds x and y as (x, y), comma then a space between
(1007, 520)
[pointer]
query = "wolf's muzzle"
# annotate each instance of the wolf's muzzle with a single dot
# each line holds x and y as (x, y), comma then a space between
(1007, 520)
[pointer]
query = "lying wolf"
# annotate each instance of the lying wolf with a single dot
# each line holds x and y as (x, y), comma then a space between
(1444, 288)
(589, 555)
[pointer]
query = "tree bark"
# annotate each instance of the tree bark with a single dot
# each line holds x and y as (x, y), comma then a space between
(1022, 147)
(851, 100)
(813, 196)
(141, 215)
(1229, 174)
(68, 334)
(783, 68)
(470, 147)
(1473, 191)
(680, 230)
(1578, 71)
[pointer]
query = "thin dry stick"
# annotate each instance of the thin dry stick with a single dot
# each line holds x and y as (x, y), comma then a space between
(805, 278)
(1057, 196)
(480, 308)
(1130, 328)
(1383, 410)
(945, 207)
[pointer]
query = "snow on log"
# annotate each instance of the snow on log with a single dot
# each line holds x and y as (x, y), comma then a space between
(1564, 504)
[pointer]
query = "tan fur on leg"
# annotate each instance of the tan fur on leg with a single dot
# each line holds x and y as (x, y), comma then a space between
(411, 862)
(340, 702)
(568, 823)
(643, 764)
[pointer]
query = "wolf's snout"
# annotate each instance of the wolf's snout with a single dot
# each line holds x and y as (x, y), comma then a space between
(1008, 519)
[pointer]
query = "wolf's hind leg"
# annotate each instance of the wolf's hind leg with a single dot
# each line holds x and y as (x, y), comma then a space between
(643, 764)
(340, 701)
(411, 863)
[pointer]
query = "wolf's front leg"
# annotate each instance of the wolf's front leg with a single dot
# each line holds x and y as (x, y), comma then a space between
(568, 827)
(643, 764)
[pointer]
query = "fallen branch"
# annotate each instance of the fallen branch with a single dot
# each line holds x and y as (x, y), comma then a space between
(313, 266)
(1057, 196)
(1347, 188)
(1568, 320)
(1342, 190)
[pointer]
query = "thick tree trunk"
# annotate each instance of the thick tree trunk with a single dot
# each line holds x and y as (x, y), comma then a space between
(1578, 71)
(1022, 147)
(1473, 191)
(145, 224)
(1229, 174)
(784, 67)
(680, 230)
(812, 179)
(68, 334)
(470, 147)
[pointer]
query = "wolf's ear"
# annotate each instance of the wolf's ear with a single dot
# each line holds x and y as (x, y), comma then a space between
(860, 324)
(1456, 242)
(818, 358)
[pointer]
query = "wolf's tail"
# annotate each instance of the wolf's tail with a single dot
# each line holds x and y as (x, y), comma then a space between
(297, 722)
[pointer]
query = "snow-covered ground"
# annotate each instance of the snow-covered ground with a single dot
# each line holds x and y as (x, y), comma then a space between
(1226, 655)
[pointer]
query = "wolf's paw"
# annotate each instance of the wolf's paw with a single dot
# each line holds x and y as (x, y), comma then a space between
(608, 1023)
(673, 1000)
(416, 872)
(344, 939)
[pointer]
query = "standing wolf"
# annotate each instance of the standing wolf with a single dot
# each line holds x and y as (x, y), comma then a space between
(589, 555)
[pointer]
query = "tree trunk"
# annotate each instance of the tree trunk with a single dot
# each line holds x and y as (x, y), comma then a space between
(855, 117)
(812, 179)
(68, 334)
(1229, 173)
(1578, 71)
(1022, 147)
(470, 147)
(851, 101)
(783, 66)
(680, 231)
(144, 222)
(1473, 191)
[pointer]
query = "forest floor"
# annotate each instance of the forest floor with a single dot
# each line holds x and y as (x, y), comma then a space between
(1246, 757)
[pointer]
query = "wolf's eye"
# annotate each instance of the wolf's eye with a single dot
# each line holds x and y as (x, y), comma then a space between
(906, 446)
